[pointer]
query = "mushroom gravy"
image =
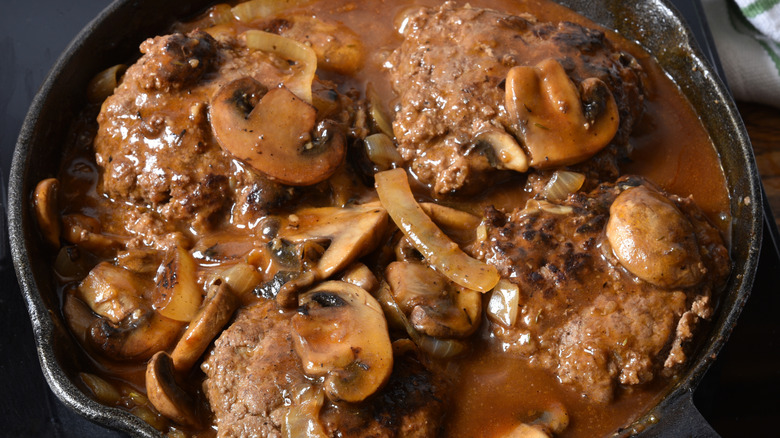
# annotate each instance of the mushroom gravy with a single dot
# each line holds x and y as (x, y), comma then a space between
(162, 208)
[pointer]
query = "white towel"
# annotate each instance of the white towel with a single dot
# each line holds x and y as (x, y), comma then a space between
(747, 36)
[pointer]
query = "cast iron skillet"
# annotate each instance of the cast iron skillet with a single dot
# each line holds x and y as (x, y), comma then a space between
(114, 37)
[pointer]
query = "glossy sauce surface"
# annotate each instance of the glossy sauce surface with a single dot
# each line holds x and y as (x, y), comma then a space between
(494, 391)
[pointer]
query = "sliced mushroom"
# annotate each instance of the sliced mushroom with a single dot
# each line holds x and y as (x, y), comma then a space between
(361, 276)
(435, 347)
(85, 232)
(653, 240)
(207, 324)
(166, 395)
(112, 292)
(46, 211)
(435, 306)
(352, 233)
(559, 124)
(123, 325)
(275, 133)
(340, 333)
(508, 154)
(134, 338)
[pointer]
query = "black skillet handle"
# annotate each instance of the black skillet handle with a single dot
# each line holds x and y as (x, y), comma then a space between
(682, 419)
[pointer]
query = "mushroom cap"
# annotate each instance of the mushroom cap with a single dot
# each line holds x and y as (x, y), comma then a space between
(653, 240)
(166, 395)
(559, 124)
(274, 132)
(340, 332)
(435, 306)
(135, 338)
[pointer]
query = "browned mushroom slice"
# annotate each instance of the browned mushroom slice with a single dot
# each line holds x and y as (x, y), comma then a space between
(352, 233)
(135, 337)
(123, 325)
(435, 306)
(340, 333)
(112, 292)
(166, 395)
(274, 132)
(508, 154)
(46, 211)
(86, 232)
(653, 240)
(206, 325)
(559, 124)
(361, 276)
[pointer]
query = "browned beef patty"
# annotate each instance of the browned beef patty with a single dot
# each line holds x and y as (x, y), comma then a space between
(155, 146)
(252, 372)
(583, 316)
(449, 73)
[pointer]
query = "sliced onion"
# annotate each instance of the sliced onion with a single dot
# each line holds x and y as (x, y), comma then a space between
(377, 113)
(382, 152)
(302, 420)
(440, 252)
(242, 278)
(178, 295)
(69, 264)
(104, 83)
(103, 391)
(248, 11)
(535, 206)
(440, 348)
(291, 50)
(504, 303)
(562, 184)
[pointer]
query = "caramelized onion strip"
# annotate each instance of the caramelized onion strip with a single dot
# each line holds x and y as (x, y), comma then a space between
(441, 252)
(103, 84)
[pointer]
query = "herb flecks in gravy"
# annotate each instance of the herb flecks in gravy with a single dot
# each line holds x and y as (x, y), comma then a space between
(336, 218)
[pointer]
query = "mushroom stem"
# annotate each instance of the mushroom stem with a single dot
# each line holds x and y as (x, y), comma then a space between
(206, 325)
(166, 395)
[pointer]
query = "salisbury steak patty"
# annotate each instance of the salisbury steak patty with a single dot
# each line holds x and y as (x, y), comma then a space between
(155, 146)
(450, 74)
(586, 317)
(253, 371)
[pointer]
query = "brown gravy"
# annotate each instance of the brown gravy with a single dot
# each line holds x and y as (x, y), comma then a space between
(671, 149)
